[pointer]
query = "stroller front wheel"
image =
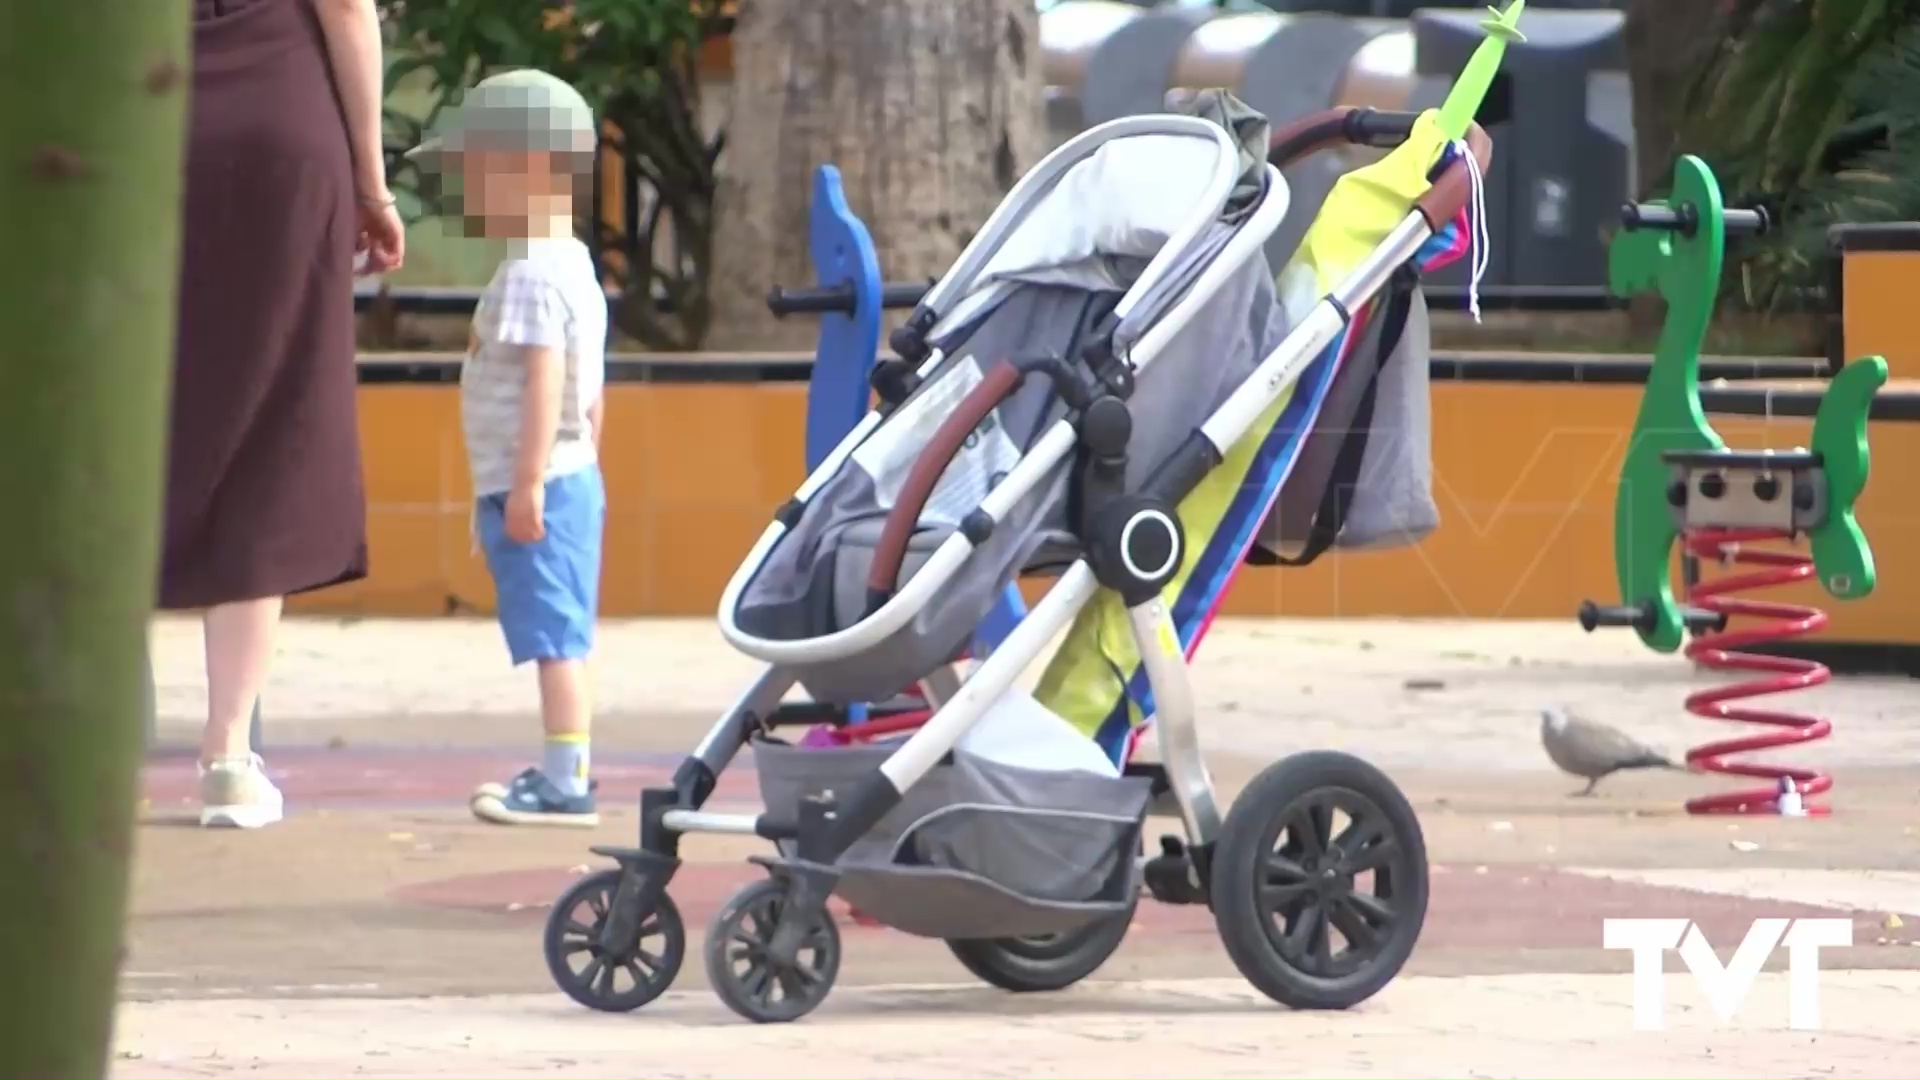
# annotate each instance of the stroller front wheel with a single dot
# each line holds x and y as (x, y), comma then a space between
(577, 934)
(1320, 881)
(1044, 962)
(744, 970)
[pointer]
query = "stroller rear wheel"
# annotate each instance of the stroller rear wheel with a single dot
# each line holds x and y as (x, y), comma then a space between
(747, 975)
(1045, 961)
(1320, 881)
(577, 928)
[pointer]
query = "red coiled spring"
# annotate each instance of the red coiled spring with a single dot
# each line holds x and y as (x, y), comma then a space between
(1718, 650)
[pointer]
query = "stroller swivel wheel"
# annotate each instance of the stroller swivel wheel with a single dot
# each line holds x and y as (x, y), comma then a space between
(608, 975)
(744, 971)
(1320, 881)
(1043, 962)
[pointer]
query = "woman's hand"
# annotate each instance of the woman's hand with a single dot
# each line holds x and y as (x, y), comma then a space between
(383, 237)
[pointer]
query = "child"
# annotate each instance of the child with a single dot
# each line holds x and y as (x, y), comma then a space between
(530, 403)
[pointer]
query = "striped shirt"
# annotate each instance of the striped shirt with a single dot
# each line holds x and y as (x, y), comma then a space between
(546, 294)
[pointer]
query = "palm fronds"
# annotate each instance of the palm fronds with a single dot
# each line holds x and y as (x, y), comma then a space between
(1813, 110)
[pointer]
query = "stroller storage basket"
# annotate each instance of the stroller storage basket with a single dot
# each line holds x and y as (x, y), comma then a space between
(978, 848)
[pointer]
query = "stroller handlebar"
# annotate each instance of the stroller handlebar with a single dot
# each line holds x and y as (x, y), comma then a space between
(1353, 126)
(1373, 127)
(1349, 125)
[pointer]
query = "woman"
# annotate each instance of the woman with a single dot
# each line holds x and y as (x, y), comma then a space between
(286, 182)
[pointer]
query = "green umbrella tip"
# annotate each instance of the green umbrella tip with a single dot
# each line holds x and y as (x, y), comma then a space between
(1505, 25)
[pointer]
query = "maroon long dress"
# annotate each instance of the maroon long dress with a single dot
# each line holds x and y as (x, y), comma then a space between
(264, 491)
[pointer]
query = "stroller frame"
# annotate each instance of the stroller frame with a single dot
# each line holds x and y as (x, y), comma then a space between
(1132, 543)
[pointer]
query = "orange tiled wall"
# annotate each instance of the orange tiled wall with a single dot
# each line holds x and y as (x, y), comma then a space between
(1524, 474)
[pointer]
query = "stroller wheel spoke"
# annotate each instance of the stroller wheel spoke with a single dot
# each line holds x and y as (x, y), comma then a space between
(1352, 925)
(1319, 828)
(792, 986)
(1374, 910)
(1373, 858)
(1283, 898)
(1363, 830)
(1305, 831)
(1285, 884)
(1281, 870)
(759, 983)
(1299, 942)
(1322, 955)
(590, 975)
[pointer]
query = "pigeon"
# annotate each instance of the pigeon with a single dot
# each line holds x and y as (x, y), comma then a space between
(1594, 751)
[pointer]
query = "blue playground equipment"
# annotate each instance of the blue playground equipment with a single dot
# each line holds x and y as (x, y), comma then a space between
(850, 298)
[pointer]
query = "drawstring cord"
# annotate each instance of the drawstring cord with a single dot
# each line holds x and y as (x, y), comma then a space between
(1479, 243)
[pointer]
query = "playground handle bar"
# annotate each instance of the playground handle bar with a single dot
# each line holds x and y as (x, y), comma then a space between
(839, 298)
(1685, 219)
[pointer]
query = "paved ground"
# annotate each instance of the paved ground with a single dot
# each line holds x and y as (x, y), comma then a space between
(382, 932)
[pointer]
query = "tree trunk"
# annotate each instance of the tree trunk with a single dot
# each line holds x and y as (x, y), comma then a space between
(1669, 44)
(90, 185)
(931, 109)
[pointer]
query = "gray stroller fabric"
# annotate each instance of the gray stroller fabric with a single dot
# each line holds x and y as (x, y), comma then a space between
(977, 848)
(1250, 130)
(1390, 486)
(814, 580)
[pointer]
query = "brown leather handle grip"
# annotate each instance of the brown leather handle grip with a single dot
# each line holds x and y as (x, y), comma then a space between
(890, 552)
(1337, 127)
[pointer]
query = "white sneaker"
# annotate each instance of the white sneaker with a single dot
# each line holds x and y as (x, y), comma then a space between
(236, 794)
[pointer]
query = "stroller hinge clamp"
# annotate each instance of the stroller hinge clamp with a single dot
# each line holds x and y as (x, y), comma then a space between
(894, 381)
(909, 341)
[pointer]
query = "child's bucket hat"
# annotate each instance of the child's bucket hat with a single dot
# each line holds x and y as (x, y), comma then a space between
(523, 110)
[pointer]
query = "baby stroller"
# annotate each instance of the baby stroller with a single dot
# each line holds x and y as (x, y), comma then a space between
(1108, 346)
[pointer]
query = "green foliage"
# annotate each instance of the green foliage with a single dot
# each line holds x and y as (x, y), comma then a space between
(1813, 110)
(634, 61)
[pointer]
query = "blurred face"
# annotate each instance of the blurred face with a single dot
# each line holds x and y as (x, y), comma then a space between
(512, 193)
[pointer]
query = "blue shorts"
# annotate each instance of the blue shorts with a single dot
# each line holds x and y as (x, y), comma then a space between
(549, 591)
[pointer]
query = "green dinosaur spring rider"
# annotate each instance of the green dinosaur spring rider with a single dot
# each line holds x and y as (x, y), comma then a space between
(1734, 508)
